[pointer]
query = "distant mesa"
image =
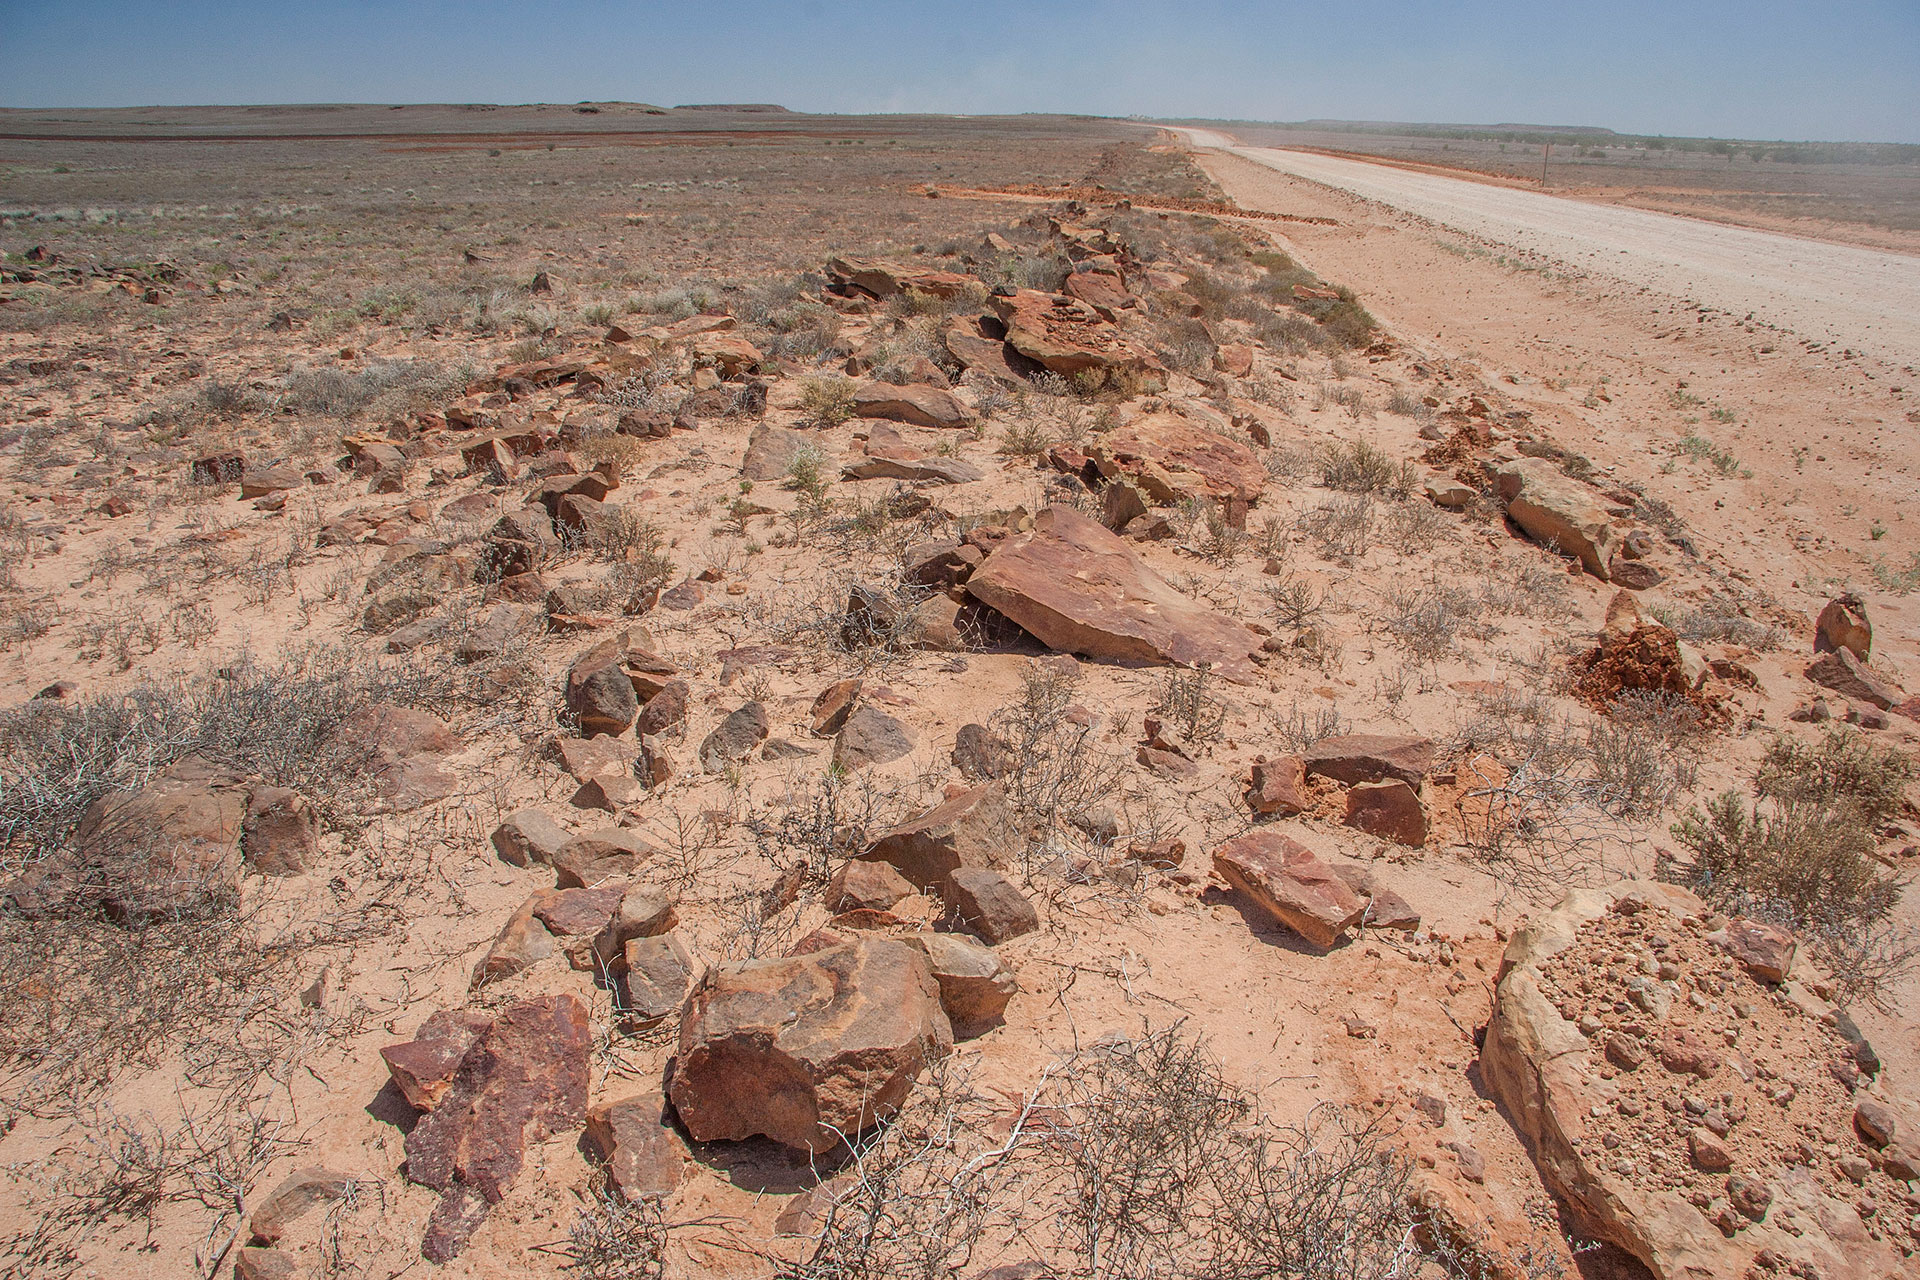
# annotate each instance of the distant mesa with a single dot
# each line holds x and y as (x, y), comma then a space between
(739, 108)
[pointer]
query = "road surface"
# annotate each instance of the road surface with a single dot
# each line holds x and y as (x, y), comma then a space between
(1861, 299)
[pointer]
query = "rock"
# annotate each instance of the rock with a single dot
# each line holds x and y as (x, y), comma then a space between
(869, 737)
(529, 837)
(422, 1069)
(599, 694)
(1750, 1196)
(1277, 788)
(523, 1080)
(584, 758)
(1845, 674)
(664, 711)
(1390, 810)
(728, 353)
(972, 347)
(608, 792)
(982, 755)
(1472, 1165)
(1552, 507)
(807, 1049)
(644, 912)
(1107, 294)
(281, 833)
(1080, 589)
(735, 738)
(939, 564)
(973, 829)
(1066, 336)
(772, 451)
(865, 886)
(1709, 1153)
(975, 984)
(548, 923)
(884, 279)
(1173, 460)
(1843, 624)
(643, 1157)
(1445, 491)
(254, 1263)
(598, 856)
(1634, 575)
(1874, 1121)
(501, 631)
(299, 1193)
(1764, 950)
(659, 970)
(1684, 1053)
(1291, 884)
(219, 468)
(920, 406)
(988, 903)
(833, 705)
(1370, 757)
(652, 764)
(933, 470)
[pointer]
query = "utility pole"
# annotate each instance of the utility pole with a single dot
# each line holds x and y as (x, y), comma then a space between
(1545, 151)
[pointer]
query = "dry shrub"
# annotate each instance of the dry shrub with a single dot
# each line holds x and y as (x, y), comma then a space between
(1060, 771)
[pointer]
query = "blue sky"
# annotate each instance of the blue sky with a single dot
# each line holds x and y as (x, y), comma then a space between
(1847, 69)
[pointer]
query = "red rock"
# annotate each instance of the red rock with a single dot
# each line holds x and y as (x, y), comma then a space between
(598, 856)
(658, 972)
(1685, 1053)
(1069, 337)
(1081, 589)
(973, 829)
(1104, 291)
(1370, 757)
(858, 885)
(281, 832)
(975, 983)
(1390, 810)
(1234, 359)
(883, 279)
(1843, 624)
(1290, 884)
(988, 903)
(923, 406)
(1840, 671)
(422, 1068)
(1278, 788)
(643, 1157)
(967, 342)
(1764, 950)
(1173, 460)
(807, 1049)
(299, 1193)
(524, 1079)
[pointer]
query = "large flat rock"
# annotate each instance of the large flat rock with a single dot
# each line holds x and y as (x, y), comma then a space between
(1081, 589)
(1171, 459)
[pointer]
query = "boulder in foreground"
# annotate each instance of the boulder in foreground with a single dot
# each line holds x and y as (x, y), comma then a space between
(1291, 884)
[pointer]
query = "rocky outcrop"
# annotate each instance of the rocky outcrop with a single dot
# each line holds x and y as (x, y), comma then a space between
(1081, 589)
(1842, 672)
(1719, 1185)
(1066, 336)
(1287, 881)
(1172, 460)
(807, 1050)
(881, 278)
(1552, 507)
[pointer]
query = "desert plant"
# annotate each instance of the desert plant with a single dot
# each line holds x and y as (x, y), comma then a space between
(826, 400)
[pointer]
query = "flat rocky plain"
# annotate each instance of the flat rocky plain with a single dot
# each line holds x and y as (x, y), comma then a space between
(615, 692)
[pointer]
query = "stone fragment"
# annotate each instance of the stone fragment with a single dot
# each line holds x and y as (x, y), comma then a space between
(1080, 589)
(299, 1193)
(281, 833)
(772, 451)
(871, 737)
(988, 903)
(644, 912)
(1390, 810)
(1843, 624)
(1709, 1153)
(1552, 507)
(973, 829)
(807, 1050)
(422, 1068)
(665, 711)
(1764, 950)
(871, 886)
(1278, 788)
(1291, 884)
(975, 983)
(528, 838)
(599, 694)
(734, 738)
(1874, 1121)
(611, 853)
(644, 1158)
(982, 755)
(659, 970)
(1845, 674)
(1370, 757)
(1172, 460)
(259, 1263)
(1066, 336)
(833, 705)
(920, 406)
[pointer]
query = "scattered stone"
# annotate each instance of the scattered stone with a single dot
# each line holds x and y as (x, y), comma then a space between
(805, 1049)
(1845, 674)
(869, 886)
(920, 406)
(1370, 757)
(643, 1157)
(982, 755)
(599, 694)
(975, 983)
(1173, 460)
(1843, 624)
(1554, 508)
(1069, 337)
(735, 738)
(1080, 589)
(644, 912)
(665, 710)
(1390, 810)
(1874, 1120)
(422, 1069)
(833, 705)
(299, 1193)
(973, 829)
(1764, 950)
(659, 970)
(256, 1263)
(870, 737)
(281, 833)
(988, 903)
(1709, 1153)
(608, 854)
(1291, 884)
(772, 451)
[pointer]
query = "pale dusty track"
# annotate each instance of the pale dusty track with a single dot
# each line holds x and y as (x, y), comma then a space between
(1858, 298)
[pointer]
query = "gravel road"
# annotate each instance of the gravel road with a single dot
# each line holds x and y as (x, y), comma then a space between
(1858, 298)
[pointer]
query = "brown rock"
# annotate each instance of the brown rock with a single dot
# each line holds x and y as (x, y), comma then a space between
(253, 1263)
(170, 850)
(644, 912)
(1292, 885)
(599, 694)
(1552, 507)
(939, 564)
(664, 711)
(1845, 674)
(1080, 589)
(920, 406)
(1370, 757)
(1104, 291)
(988, 903)
(833, 705)
(281, 834)
(1172, 460)
(524, 1079)
(807, 1049)
(659, 970)
(734, 738)
(643, 1157)
(1390, 810)
(884, 279)
(870, 737)
(975, 983)
(1874, 1120)
(982, 755)
(772, 451)
(973, 829)
(1708, 1151)
(600, 855)
(1685, 1053)
(871, 886)
(1843, 624)
(1764, 950)
(1069, 337)
(422, 1068)
(529, 837)
(299, 1193)
(1278, 788)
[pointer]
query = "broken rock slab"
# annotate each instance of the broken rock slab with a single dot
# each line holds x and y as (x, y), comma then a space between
(1553, 507)
(1081, 589)
(973, 829)
(1291, 884)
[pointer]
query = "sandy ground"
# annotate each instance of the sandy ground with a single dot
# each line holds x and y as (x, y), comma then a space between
(1859, 298)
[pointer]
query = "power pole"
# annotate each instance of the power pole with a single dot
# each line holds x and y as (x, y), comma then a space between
(1545, 151)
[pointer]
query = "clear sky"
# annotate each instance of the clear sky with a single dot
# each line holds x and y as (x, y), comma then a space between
(1842, 69)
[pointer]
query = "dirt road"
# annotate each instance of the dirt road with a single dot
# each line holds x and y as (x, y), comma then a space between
(1857, 298)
